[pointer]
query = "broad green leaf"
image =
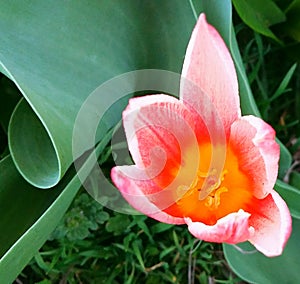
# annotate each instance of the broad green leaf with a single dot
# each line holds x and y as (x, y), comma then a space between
(25, 224)
(291, 195)
(257, 268)
(3, 70)
(292, 25)
(38, 160)
(285, 160)
(16, 192)
(59, 52)
(294, 180)
(260, 15)
(9, 97)
(29, 215)
(219, 15)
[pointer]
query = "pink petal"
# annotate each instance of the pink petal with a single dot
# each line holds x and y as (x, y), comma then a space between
(232, 229)
(254, 143)
(159, 130)
(137, 190)
(272, 223)
(208, 64)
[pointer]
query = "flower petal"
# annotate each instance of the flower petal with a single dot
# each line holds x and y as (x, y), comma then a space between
(272, 223)
(254, 143)
(232, 229)
(208, 65)
(159, 129)
(137, 190)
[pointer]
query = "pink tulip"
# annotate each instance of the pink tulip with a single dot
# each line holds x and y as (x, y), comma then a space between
(199, 162)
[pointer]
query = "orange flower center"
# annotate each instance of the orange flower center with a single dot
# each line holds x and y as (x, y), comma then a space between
(226, 193)
(213, 200)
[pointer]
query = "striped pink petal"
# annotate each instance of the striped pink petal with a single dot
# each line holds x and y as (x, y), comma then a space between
(272, 223)
(209, 66)
(254, 143)
(232, 229)
(138, 192)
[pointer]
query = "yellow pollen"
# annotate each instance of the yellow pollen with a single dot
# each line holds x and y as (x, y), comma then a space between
(214, 199)
(213, 182)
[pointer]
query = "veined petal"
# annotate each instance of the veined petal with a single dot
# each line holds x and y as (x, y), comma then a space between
(272, 223)
(137, 190)
(232, 229)
(208, 64)
(254, 143)
(159, 129)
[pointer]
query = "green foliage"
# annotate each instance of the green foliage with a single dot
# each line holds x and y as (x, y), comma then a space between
(117, 224)
(257, 268)
(56, 62)
(260, 15)
(277, 19)
(292, 26)
(124, 249)
(9, 96)
(291, 195)
(84, 217)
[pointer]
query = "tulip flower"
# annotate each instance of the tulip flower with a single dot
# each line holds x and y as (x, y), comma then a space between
(199, 162)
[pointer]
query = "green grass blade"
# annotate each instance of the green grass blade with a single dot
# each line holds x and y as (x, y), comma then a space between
(284, 83)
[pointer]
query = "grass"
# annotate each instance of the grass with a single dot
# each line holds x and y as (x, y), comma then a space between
(123, 249)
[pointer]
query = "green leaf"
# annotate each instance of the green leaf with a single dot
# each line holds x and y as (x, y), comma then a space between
(29, 215)
(285, 160)
(219, 15)
(35, 157)
(15, 198)
(292, 25)
(257, 268)
(283, 85)
(57, 53)
(295, 180)
(117, 224)
(291, 195)
(83, 217)
(9, 97)
(25, 220)
(260, 15)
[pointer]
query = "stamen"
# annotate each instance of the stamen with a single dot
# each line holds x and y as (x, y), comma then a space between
(218, 194)
(213, 199)
(212, 182)
(209, 201)
(213, 202)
